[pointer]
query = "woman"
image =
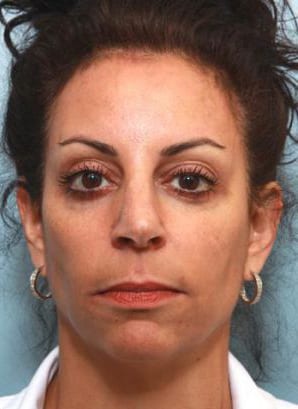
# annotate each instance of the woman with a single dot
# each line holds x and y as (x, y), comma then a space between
(146, 137)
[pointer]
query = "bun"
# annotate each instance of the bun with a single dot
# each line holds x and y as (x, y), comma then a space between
(29, 12)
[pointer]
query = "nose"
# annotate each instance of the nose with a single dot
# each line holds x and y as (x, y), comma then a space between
(138, 223)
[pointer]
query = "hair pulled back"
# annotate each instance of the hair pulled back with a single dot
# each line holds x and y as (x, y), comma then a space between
(239, 39)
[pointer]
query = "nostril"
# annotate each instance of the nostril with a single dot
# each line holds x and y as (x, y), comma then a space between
(157, 242)
(125, 241)
(122, 242)
(139, 244)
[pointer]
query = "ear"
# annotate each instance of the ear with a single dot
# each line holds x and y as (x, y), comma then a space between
(265, 218)
(30, 215)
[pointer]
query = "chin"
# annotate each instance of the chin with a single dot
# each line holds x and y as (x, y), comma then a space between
(141, 341)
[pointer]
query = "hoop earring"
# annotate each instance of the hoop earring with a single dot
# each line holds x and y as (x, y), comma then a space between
(258, 291)
(33, 285)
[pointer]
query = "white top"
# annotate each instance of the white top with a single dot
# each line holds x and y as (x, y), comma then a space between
(245, 393)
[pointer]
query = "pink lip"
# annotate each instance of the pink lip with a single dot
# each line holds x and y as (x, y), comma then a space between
(139, 295)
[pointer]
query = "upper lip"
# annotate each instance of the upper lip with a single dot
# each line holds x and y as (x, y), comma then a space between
(142, 286)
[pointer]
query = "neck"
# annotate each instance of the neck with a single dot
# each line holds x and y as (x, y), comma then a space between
(88, 378)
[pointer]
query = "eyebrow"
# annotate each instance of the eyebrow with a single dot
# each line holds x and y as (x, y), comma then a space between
(168, 151)
(193, 143)
(98, 145)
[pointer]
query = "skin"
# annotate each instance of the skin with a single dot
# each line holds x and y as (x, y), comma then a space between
(137, 227)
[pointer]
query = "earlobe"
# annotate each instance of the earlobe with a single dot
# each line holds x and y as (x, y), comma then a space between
(32, 225)
(265, 218)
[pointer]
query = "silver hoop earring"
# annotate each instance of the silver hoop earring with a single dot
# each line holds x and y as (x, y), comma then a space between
(33, 285)
(258, 291)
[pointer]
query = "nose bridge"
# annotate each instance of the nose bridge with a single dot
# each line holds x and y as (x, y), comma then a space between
(139, 194)
(138, 223)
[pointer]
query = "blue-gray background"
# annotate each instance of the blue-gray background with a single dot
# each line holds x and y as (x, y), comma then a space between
(19, 331)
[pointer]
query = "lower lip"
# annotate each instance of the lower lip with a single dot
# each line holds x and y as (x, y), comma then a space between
(139, 299)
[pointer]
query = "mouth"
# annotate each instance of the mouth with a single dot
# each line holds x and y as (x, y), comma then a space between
(147, 286)
(139, 295)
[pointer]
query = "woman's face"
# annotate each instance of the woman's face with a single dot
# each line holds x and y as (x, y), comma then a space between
(145, 181)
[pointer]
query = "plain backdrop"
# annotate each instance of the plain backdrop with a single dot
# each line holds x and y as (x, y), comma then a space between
(20, 330)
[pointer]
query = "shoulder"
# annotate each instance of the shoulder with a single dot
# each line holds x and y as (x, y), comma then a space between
(277, 403)
(32, 397)
(246, 394)
(12, 401)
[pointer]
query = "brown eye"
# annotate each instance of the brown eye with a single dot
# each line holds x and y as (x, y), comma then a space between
(88, 181)
(91, 180)
(192, 182)
(189, 182)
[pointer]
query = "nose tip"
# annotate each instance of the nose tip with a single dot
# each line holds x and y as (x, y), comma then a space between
(139, 228)
(138, 221)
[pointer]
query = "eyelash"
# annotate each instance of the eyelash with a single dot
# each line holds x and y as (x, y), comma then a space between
(197, 171)
(68, 178)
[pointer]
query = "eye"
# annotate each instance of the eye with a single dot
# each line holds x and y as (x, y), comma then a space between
(88, 180)
(192, 181)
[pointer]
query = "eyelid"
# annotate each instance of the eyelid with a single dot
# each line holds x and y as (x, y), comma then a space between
(208, 178)
(71, 176)
(189, 167)
(74, 179)
(96, 166)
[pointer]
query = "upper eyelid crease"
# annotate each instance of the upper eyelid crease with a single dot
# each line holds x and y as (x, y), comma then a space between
(167, 151)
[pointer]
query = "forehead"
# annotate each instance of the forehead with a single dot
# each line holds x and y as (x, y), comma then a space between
(145, 99)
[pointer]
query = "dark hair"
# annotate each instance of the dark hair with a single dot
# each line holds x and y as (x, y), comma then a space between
(243, 41)
(237, 38)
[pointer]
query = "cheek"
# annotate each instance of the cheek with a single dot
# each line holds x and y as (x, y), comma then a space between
(76, 247)
(212, 260)
(212, 249)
